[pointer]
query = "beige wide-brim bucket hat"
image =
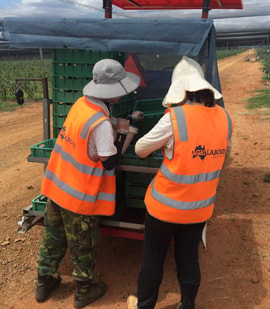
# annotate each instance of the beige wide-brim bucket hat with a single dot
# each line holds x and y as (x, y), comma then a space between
(110, 80)
(187, 76)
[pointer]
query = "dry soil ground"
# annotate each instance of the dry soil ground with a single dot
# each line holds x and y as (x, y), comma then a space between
(235, 265)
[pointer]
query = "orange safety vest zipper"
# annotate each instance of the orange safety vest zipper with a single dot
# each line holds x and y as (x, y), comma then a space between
(72, 179)
(184, 188)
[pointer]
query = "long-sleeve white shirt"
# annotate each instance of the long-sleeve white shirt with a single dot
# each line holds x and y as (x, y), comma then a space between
(160, 136)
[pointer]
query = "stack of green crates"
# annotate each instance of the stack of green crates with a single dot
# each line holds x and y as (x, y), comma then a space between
(135, 188)
(71, 71)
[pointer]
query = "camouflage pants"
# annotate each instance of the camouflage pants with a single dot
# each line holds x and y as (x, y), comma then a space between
(66, 230)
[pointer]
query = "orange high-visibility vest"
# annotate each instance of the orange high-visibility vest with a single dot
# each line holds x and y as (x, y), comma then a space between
(72, 179)
(184, 188)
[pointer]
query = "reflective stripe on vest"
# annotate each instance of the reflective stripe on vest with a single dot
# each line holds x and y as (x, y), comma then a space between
(230, 126)
(89, 123)
(189, 179)
(86, 169)
(181, 124)
(180, 205)
(77, 194)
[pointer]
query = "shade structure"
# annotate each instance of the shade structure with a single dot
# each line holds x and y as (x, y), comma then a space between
(162, 36)
(154, 37)
(176, 4)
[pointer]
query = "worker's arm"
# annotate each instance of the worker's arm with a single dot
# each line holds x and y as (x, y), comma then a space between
(122, 128)
(110, 162)
(159, 136)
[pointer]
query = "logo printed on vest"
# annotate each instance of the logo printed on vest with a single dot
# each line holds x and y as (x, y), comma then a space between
(66, 137)
(202, 153)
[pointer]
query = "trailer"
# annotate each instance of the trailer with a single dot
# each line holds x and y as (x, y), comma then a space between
(148, 47)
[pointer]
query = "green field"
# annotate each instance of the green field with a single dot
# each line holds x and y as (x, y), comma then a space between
(225, 53)
(11, 69)
(261, 98)
(264, 55)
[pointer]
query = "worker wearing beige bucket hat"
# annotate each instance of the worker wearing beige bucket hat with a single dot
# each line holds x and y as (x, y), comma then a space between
(79, 183)
(194, 136)
(187, 76)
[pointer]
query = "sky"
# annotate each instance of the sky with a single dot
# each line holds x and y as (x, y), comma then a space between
(255, 15)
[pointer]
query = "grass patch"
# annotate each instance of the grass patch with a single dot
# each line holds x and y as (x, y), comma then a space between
(265, 119)
(224, 53)
(260, 100)
(7, 106)
(266, 177)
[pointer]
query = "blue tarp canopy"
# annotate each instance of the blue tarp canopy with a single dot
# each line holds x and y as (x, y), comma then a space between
(190, 37)
(163, 36)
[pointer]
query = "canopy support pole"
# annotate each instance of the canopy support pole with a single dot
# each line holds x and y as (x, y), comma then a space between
(205, 8)
(107, 6)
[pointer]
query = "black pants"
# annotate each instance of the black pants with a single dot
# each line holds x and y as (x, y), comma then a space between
(157, 238)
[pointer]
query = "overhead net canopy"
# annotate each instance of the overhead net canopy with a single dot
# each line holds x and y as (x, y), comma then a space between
(176, 4)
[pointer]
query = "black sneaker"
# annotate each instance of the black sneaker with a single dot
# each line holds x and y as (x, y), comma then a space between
(188, 306)
(45, 285)
(179, 306)
(87, 293)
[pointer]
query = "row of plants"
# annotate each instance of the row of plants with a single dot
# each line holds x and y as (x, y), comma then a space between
(261, 98)
(264, 56)
(225, 53)
(10, 70)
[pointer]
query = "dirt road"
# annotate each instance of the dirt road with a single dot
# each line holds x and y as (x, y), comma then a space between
(235, 265)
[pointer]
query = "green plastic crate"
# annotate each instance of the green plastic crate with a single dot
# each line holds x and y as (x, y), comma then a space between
(153, 110)
(124, 107)
(56, 130)
(43, 149)
(136, 186)
(70, 82)
(150, 107)
(85, 56)
(61, 107)
(66, 96)
(58, 119)
(79, 63)
(130, 158)
(72, 69)
(39, 203)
